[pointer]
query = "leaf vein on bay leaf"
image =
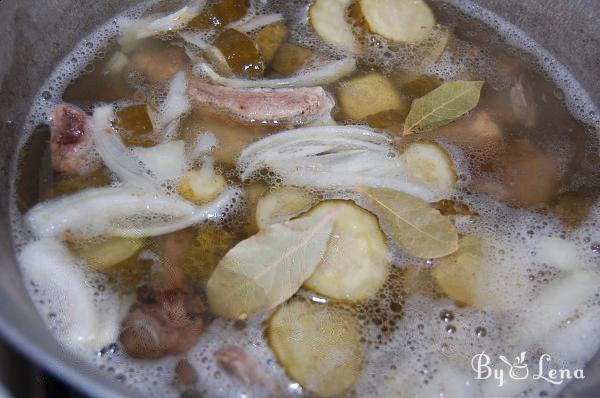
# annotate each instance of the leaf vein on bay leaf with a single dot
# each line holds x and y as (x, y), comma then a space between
(418, 229)
(268, 268)
(298, 246)
(401, 217)
(443, 105)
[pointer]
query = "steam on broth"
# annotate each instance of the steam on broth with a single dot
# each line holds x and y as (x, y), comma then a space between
(275, 198)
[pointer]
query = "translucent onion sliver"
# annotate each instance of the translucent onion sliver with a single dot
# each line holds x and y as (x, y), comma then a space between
(325, 74)
(116, 156)
(338, 157)
(177, 102)
(254, 23)
(87, 323)
(124, 212)
(133, 30)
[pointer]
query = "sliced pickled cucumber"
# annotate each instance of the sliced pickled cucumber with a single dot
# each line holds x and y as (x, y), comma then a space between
(241, 53)
(254, 192)
(281, 205)
(431, 165)
(419, 280)
(355, 265)
(270, 38)
(434, 48)
(209, 247)
(135, 119)
(220, 14)
(290, 58)
(328, 19)
(424, 54)
(135, 126)
(103, 254)
(404, 21)
(319, 346)
(369, 95)
(457, 275)
(415, 85)
(201, 186)
(387, 120)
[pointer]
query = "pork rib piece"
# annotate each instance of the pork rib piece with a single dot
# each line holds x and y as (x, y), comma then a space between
(72, 141)
(267, 105)
(236, 362)
(167, 317)
(162, 323)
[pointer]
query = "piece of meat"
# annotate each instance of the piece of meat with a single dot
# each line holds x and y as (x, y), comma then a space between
(186, 373)
(287, 106)
(175, 248)
(524, 176)
(476, 131)
(167, 318)
(531, 176)
(158, 65)
(72, 141)
(236, 362)
(162, 323)
(572, 208)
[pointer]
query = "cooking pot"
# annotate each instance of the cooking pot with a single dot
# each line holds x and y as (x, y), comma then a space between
(36, 35)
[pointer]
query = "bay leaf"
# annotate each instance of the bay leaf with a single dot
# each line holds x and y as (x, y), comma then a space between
(416, 227)
(457, 275)
(268, 268)
(442, 106)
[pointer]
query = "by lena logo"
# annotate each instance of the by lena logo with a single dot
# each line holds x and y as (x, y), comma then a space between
(519, 369)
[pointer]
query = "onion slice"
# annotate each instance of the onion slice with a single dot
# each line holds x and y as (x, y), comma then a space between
(328, 19)
(146, 168)
(204, 144)
(166, 161)
(177, 102)
(212, 53)
(124, 212)
(196, 39)
(116, 63)
(133, 30)
(116, 156)
(257, 22)
(332, 157)
(300, 134)
(85, 322)
(325, 74)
